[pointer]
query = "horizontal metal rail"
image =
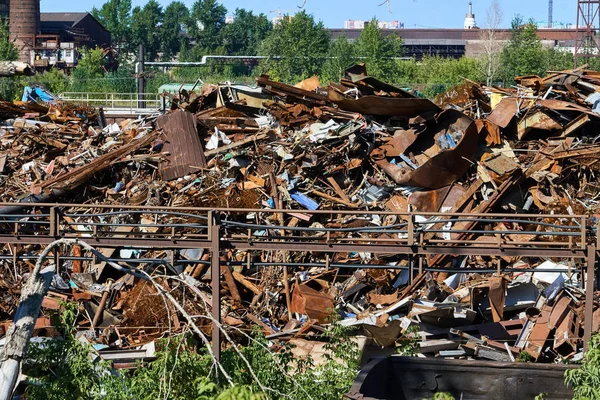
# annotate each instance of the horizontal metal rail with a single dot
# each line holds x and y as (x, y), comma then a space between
(408, 233)
(326, 231)
(121, 101)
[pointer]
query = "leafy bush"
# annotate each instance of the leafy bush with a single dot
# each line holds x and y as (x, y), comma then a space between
(64, 369)
(585, 380)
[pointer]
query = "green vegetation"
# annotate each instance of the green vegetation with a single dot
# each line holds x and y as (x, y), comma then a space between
(297, 46)
(8, 50)
(525, 55)
(585, 381)
(296, 49)
(377, 51)
(115, 15)
(443, 396)
(524, 357)
(408, 344)
(65, 369)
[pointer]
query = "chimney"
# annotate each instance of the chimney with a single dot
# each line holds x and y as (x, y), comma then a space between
(24, 24)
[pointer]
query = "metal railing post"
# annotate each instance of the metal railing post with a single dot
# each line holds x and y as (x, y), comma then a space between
(411, 229)
(215, 274)
(583, 232)
(589, 296)
(53, 222)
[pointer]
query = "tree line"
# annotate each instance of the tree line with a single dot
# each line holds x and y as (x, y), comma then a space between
(300, 47)
(294, 49)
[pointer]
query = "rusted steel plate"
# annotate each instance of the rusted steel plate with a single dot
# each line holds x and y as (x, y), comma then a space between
(434, 200)
(183, 145)
(559, 312)
(387, 106)
(559, 105)
(538, 120)
(447, 166)
(539, 334)
(504, 112)
(308, 301)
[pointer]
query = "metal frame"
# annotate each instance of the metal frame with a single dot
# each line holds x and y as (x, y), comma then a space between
(215, 229)
(114, 101)
(588, 23)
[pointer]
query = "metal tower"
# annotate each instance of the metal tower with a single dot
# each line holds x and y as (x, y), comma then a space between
(588, 23)
(550, 6)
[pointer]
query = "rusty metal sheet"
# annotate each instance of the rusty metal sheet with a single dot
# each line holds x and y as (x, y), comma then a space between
(539, 334)
(490, 130)
(80, 175)
(379, 85)
(504, 112)
(500, 164)
(447, 166)
(559, 105)
(497, 296)
(386, 106)
(278, 87)
(566, 337)
(434, 200)
(397, 203)
(397, 145)
(559, 311)
(530, 81)
(308, 301)
(383, 299)
(596, 321)
(537, 120)
(311, 84)
(182, 143)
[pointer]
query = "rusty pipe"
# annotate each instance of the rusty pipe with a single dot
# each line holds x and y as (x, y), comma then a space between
(100, 309)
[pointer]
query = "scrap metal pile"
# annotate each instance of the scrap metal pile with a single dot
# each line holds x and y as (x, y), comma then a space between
(360, 145)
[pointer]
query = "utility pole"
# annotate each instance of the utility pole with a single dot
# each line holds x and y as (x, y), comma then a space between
(588, 23)
(141, 80)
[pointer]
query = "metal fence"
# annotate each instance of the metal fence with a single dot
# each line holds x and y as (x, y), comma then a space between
(415, 235)
(114, 101)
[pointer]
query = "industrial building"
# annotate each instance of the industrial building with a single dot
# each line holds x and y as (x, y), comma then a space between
(455, 43)
(45, 40)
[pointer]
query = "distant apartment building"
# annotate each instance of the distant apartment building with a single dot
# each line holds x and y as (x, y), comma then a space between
(360, 24)
(390, 25)
(354, 24)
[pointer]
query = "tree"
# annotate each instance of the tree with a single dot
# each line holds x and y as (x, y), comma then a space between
(8, 50)
(244, 35)
(144, 27)
(340, 56)
(115, 16)
(175, 17)
(439, 73)
(207, 21)
(296, 48)
(524, 54)
(492, 48)
(377, 51)
(89, 74)
(557, 60)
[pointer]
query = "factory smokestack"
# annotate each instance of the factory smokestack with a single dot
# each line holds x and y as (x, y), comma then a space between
(24, 24)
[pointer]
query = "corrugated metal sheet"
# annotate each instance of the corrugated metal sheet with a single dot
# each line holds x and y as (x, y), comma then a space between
(183, 145)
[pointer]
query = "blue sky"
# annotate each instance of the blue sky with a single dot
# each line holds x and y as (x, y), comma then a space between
(414, 13)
